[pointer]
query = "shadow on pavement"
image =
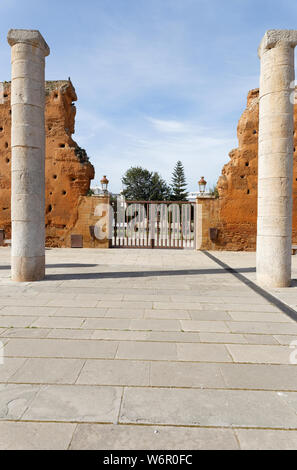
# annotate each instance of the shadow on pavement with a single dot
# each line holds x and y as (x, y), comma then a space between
(252, 285)
(123, 274)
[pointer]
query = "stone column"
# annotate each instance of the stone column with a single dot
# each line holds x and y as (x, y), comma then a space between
(275, 158)
(28, 52)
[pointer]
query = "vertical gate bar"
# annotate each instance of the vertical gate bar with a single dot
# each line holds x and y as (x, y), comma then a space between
(147, 224)
(143, 225)
(164, 225)
(138, 226)
(126, 218)
(114, 226)
(158, 227)
(140, 223)
(173, 226)
(180, 244)
(169, 225)
(195, 221)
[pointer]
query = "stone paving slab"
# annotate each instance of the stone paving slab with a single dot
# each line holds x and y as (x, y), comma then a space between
(57, 322)
(222, 338)
(260, 317)
(261, 339)
(80, 312)
(97, 437)
(48, 371)
(110, 372)
(207, 408)
(35, 436)
(147, 351)
(60, 348)
(203, 352)
(186, 374)
(209, 326)
(75, 403)
(126, 349)
(25, 333)
(27, 311)
(10, 366)
(209, 315)
(261, 354)
(268, 439)
(260, 376)
(15, 399)
(262, 328)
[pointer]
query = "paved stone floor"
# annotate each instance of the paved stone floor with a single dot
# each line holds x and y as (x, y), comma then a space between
(147, 349)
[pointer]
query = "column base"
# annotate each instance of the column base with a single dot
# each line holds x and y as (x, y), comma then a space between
(273, 260)
(27, 269)
(267, 281)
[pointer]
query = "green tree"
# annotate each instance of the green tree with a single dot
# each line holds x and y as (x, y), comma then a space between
(179, 184)
(214, 191)
(144, 185)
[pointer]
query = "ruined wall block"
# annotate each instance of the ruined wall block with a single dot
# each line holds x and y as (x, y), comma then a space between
(67, 179)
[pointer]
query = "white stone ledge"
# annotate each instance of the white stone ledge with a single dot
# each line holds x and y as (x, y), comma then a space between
(276, 37)
(26, 36)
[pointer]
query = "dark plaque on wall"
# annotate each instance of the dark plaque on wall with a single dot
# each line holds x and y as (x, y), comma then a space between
(213, 234)
(2, 236)
(76, 241)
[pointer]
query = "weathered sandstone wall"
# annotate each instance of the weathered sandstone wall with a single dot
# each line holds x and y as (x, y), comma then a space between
(235, 213)
(68, 171)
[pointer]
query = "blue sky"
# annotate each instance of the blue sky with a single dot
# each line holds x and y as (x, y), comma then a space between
(157, 80)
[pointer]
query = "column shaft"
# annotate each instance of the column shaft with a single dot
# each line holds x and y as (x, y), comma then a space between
(28, 157)
(275, 166)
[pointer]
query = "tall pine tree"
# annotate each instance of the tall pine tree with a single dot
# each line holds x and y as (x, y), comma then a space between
(179, 184)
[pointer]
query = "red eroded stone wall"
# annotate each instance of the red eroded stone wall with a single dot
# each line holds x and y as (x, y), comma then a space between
(237, 185)
(68, 171)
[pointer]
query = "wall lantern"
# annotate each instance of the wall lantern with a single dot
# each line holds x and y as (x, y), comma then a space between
(104, 184)
(202, 185)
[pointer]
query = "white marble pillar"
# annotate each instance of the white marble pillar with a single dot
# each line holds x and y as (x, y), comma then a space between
(275, 158)
(28, 52)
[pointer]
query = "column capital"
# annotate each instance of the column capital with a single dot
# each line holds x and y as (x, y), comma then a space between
(28, 36)
(275, 37)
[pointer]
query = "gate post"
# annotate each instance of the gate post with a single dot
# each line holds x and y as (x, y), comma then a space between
(207, 216)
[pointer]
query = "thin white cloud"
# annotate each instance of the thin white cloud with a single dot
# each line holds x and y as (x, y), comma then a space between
(167, 126)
